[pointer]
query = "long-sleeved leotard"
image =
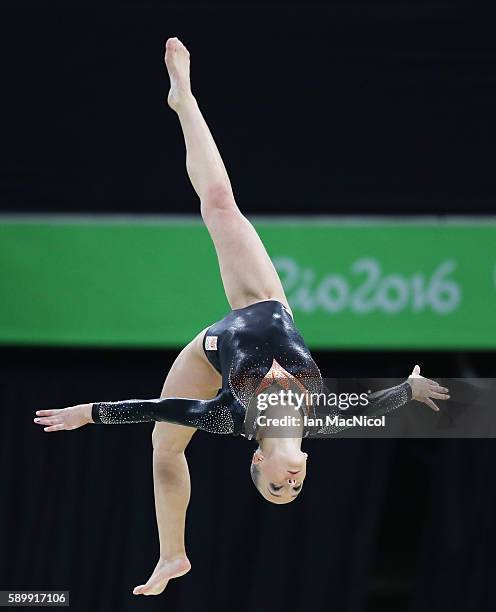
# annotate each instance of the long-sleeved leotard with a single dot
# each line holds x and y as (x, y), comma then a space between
(252, 348)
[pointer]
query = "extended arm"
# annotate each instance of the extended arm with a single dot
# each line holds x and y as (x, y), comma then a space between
(385, 401)
(212, 415)
(378, 403)
(218, 415)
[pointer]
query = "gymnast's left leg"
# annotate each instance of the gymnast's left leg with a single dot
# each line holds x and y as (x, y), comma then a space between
(191, 375)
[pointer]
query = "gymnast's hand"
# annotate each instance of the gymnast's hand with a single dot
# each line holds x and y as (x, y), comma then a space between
(423, 389)
(65, 418)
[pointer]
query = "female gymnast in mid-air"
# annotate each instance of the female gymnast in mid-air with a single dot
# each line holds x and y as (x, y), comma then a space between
(255, 348)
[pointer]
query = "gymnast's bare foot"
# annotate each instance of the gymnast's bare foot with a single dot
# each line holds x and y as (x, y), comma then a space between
(177, 62)
(165, 570)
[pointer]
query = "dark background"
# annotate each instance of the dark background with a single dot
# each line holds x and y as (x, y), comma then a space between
(372, 107)
(377, 108)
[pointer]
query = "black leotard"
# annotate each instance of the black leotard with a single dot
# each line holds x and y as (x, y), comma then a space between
(249, 347)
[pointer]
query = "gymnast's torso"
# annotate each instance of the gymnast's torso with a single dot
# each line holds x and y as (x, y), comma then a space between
(255, 347)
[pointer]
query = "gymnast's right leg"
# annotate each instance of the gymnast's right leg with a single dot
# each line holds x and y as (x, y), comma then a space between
(247, 272)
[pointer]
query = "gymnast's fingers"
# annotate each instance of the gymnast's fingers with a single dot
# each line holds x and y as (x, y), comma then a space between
(46, 413)
(439, 389)
(431, 404)
(442, 396)
(48, 420)
(58, 427)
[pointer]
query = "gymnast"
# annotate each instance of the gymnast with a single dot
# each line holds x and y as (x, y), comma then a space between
(212, 384)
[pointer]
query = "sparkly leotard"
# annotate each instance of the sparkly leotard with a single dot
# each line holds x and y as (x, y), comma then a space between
(252, 348)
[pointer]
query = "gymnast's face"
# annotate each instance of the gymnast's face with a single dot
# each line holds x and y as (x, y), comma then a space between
(279, 475)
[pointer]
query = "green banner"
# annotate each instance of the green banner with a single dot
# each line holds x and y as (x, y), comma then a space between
(155, 282)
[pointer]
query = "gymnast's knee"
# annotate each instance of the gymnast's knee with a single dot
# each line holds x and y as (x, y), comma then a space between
(165, 460)
(219, 199)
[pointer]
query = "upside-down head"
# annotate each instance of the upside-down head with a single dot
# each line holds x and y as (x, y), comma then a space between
(279, 474)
